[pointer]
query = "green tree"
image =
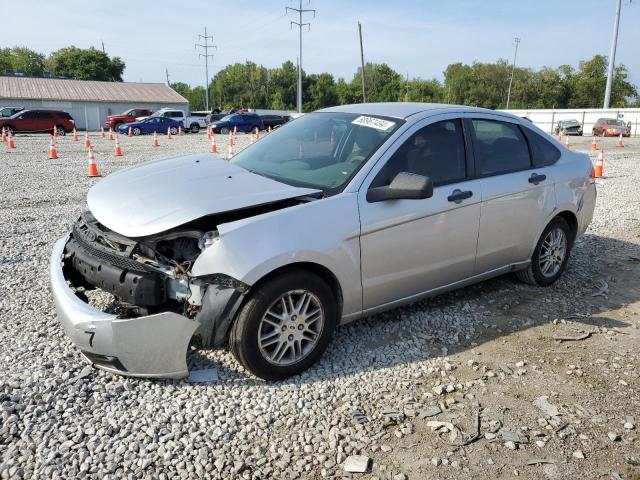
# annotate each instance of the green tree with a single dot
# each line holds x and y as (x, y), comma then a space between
(86, 64)
(22, 58)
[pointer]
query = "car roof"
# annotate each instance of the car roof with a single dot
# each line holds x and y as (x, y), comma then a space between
(403, 109)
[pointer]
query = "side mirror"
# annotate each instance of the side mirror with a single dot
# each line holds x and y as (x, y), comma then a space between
(405, 186)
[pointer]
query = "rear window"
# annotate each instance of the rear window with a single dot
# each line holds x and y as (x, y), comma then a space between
(543, 152)
(500, 147)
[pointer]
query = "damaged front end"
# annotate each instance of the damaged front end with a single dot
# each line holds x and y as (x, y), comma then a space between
(159, 307)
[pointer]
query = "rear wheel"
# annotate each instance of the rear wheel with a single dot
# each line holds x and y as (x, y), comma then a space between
(116, 126)
(194, 128)
(173, 130)
(551, 254)
(61, 131)
(10, 130)
(255, 129)
(284, 326)
(224, 130)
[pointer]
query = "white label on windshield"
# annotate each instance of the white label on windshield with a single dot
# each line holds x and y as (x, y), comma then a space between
(373, 122)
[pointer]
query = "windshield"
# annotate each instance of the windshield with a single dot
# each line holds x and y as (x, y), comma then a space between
(570, 123)
(619, 123)
(319, 150)
(226, 118)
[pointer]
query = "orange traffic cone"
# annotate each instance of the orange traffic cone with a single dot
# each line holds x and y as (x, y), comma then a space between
(252, 139)
(53, 153)
(10, 142)
(92, 170)
(593, 144)
(169, 133)
(257, 135)
(55, 132)
(117, 151)
(231, 139)
(155, 142)
(566, 142)
(269, 129)
(102, 133)
(180, 132)
(75, 134)
(87, 142)
(129, 134)
(235, 130)
(620, 142)
(4, 135)
(209, 132)
(599, 164)
(231, 153)
(214, 148)
(110, 133)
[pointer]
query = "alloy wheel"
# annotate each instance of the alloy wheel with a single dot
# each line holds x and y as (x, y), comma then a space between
(553, 252)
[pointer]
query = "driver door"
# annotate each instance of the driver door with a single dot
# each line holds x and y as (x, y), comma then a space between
(409, 247)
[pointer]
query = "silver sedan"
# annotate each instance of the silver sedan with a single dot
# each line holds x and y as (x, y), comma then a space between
(343, 213)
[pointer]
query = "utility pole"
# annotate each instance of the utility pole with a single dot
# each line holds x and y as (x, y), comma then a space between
(102, 42)
(300, 24)
(612, 56)
(364, 97)
(206, 56)
(167, 70)
(516, 41)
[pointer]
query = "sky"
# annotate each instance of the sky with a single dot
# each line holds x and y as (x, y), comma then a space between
(418, 38)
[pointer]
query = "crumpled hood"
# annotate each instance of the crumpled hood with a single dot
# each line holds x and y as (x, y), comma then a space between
(156, 196)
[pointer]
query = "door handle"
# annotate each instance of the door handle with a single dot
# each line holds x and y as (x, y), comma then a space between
(458, 195)
(536, 179)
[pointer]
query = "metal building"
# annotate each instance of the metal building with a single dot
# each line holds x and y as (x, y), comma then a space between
(89, 102)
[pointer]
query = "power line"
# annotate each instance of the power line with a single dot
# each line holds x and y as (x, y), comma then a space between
(300, 24)
(206, 56)
(516, 41)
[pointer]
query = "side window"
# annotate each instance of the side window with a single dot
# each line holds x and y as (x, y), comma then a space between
(28, 116)
(542, 151)
(436, 151)
(500, 147)
(46, 115)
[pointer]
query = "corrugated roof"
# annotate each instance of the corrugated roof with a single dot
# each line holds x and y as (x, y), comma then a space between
(86, 90)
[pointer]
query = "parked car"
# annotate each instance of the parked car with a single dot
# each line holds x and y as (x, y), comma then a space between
(190, 123)
(611, 127)
(38, 121)
(10, 111)
(344, 213)
(569, 127)
(274, 121)
(150, 125)
(242, 122)
(129, 116)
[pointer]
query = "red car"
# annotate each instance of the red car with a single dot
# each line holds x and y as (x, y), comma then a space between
(37, 121)
(114, 121)
(611, 127)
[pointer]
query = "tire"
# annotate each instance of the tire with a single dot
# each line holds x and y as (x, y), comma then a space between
(194, 128)
(224, 130)
(116, 126)
(136, 131)
(10, 130)
(535, 273)
(61, 131)
(173, 130)
(255, 129)
(261, 359)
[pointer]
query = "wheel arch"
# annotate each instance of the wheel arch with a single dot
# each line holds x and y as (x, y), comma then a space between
(571, 219)
(317, 269)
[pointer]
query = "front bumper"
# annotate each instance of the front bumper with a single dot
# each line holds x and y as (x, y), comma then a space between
(147, 346)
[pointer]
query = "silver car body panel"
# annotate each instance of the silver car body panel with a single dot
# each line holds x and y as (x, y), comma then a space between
(177, 191)
(380, 254)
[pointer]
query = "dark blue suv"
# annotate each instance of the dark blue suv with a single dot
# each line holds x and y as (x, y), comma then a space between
(243, 122)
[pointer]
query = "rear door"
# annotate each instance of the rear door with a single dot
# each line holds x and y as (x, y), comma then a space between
(411, 246)
(517, 197)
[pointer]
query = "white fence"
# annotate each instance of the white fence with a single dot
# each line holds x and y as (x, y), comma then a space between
(548, 119)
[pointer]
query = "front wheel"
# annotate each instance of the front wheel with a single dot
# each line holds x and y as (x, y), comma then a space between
(284, 326)
(550, 257)
(136, 131)
(194, 128)
(173, 130)
(224, 130)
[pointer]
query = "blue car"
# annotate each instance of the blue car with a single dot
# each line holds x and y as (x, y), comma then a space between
(150, 125)
(242, 122)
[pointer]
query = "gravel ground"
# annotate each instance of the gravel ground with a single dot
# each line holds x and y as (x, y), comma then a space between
(485, 353)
